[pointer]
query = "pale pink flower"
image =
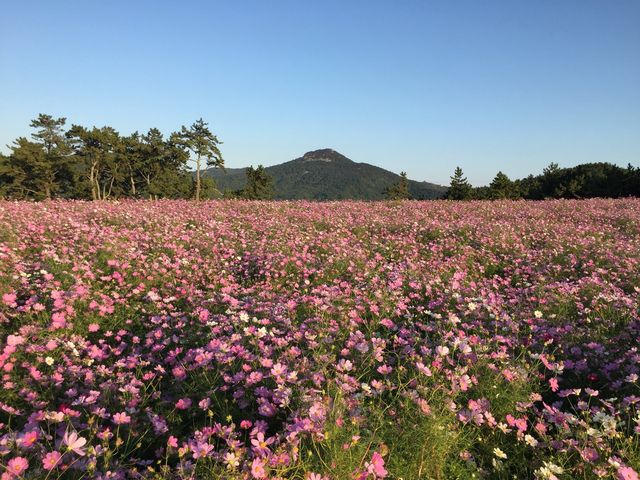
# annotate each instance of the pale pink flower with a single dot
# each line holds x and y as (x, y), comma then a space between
(74, 442)
(257, 469)
(14, 340)
(121, 418)
(627, 473)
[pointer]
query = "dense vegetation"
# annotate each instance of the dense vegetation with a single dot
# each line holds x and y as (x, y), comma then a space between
(588, 180)
(320, 341)
(101, 164)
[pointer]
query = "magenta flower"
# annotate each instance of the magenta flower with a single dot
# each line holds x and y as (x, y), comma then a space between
(376, 466)
(17, 466)
(183, 404)
(27, 439)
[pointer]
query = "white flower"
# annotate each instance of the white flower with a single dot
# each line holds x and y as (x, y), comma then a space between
(231, 459)
(548, 471)
(262, 331)
(499, 453)
(537, 314)
(442, 350)
(48, 361)
(530, 440)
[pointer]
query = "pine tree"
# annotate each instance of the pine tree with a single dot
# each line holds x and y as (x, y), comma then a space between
(203, 144)
(37, 169)
(502, 187)
(460, 188)
(259, 184)
(399, 190)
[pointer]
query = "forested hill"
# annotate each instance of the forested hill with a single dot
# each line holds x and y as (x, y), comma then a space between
(327, 175)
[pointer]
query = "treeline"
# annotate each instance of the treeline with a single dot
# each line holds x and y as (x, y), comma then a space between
(100, 163)
(588, 180)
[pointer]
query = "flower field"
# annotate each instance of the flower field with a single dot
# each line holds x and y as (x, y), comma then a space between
(316, 341)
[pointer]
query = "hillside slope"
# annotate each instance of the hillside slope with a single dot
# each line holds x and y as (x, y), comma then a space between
(327, 175)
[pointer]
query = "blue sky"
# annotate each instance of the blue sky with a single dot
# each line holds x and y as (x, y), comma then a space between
(419, 86)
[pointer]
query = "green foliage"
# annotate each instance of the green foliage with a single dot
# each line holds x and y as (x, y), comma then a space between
(203, 144)
(208, 189)
(399, 190)
(259, 185)
(326, 175)
(100, 164)
(460, 188)
(502, 187)
(588, 180)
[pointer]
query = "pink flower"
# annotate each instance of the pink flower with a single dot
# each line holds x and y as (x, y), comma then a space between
(553, 382)
(172, 442)
(94, 327)
(315, 476)
(589, 454)
(376, 466)
(201, 450)
(627, 473)
(58, 321)
(9, 299)
(183, 404)
(14, 340)
(74, 442)
(261, 445)
(51, 460)
(17, 466)
(257, 469)
(121, 418)
(28, 439)
(387, 323)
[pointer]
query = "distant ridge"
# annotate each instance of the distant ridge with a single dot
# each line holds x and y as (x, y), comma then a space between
(326, 175)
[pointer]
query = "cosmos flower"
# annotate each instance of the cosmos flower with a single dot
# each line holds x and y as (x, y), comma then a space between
(17, 466)
(51, 460)
(74, 442)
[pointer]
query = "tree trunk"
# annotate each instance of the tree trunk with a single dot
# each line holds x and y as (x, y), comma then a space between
(93, 185)
(198, 179)
(111, 187)
(133, 183)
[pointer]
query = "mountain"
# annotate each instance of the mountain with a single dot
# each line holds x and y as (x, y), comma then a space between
(326, 175)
